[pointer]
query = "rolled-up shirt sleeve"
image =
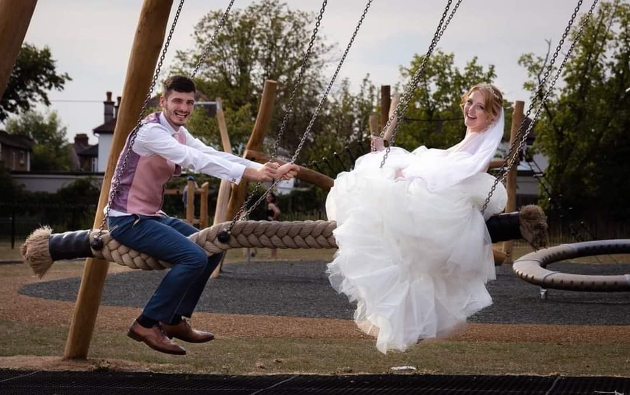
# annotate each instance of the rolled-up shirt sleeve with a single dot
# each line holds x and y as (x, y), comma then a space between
(157, 140)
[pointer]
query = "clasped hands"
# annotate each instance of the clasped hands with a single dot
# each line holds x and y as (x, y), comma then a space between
(272, 171)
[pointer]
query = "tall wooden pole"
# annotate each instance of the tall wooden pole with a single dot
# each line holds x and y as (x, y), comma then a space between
(255, 143)
(386, 103)
(15, 16)
(511, 179)
(225, 187)
(145, 51)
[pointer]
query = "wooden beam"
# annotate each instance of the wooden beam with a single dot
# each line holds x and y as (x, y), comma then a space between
(225, 187)
(255, 143)
(145, 51)
(386, 100)
(511, 184)
(304, 174)
(15, 17)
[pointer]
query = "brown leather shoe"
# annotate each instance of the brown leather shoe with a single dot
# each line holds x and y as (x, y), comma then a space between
(155, 338)
(183, 331)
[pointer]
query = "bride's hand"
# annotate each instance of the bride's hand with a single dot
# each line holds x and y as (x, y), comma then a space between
(378, 143)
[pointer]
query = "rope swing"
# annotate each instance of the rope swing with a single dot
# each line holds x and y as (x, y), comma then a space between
(42, 248)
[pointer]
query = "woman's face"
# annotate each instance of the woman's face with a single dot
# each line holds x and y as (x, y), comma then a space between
(476, 118)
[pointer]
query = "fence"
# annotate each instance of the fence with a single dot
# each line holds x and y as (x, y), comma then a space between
(17, 221)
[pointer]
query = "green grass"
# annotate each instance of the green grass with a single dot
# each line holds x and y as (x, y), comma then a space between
(240, 356)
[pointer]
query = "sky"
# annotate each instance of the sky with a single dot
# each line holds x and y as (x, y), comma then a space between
(91, 41)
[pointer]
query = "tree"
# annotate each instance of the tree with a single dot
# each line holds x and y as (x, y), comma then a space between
(32, 76)
(344, 121)
(584, 126)
(51, 151)
(265, 41)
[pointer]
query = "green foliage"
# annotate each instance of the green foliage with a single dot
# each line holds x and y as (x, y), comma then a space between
(11, 191)
(344, 121)
(32, 76)
(51, 152)
(265, 41)
(583, 127)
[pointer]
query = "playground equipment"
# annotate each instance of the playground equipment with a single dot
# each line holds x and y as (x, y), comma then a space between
(532, 267)
(145, 54)
(192, 191)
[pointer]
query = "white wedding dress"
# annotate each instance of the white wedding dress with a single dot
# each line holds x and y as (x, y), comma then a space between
(414, 253)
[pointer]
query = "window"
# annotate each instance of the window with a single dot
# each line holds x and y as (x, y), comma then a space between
(22, 157)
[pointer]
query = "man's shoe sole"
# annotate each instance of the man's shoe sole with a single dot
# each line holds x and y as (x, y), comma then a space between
(139, 338)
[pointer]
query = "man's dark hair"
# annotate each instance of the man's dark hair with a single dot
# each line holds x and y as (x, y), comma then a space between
(178, 83)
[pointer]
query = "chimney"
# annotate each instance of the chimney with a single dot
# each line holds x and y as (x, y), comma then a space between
(109, 108)
(81, 140)
(117, 106)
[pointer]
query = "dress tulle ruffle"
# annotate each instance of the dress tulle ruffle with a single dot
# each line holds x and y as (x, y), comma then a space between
(415, 262)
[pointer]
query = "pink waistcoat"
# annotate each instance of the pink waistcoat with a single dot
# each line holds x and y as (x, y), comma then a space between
(142, 182)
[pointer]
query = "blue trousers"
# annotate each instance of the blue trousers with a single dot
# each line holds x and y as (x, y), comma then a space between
(165, 238)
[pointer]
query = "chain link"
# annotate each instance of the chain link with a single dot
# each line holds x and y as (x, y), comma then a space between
(119, 170)
(206, 51)
(403, 104)
(243, 213)
(521, 136)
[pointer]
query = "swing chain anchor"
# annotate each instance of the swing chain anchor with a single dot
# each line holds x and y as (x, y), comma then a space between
(224, 236)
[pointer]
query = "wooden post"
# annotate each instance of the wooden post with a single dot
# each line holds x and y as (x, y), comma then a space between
(15, 16)
(140, 69)
(255, 143)
(203, 206)
(386, 102)
(392, 126)
(511, 180)
(225, 187)
(191, 190)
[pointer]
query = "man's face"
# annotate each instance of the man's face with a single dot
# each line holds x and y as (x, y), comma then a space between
(178, 107)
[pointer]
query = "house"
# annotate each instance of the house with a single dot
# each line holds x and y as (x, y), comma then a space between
(83, 155)
(15, 151)
(105, 132)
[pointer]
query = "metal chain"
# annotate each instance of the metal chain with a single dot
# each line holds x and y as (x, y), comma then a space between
(305, 59)
(401, 107)
(119, 170)
(521, 136)
(205, 53)
(242, 212)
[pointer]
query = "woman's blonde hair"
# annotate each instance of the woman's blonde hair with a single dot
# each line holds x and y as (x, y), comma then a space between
(493, 99)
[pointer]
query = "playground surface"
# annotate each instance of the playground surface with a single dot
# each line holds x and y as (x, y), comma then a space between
(294, 299)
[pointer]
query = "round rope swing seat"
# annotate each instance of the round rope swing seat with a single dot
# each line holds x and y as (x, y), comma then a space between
(43, 247)
(532, 267)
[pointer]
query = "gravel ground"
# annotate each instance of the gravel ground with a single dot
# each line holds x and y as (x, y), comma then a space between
(301, 289)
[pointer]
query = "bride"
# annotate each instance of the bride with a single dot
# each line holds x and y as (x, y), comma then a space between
(414, 252)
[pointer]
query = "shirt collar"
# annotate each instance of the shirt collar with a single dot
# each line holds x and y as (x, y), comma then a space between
(167, 125)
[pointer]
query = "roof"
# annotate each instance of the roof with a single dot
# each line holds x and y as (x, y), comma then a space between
(16, 141)
(107, 127)
(92, 151)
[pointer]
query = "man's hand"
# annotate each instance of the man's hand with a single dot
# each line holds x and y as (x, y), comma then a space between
(287, 171)
(266, 173)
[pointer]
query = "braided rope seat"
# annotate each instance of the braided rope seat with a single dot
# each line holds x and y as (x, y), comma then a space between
(43, 247)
